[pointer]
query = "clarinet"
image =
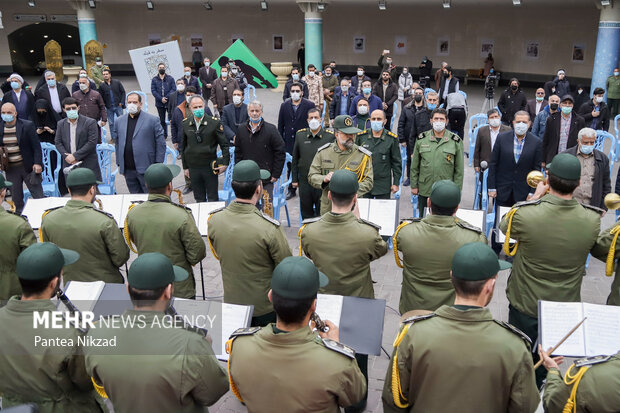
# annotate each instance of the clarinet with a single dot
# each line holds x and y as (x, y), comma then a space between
(60, 294)
(320, 324)
(172, 312)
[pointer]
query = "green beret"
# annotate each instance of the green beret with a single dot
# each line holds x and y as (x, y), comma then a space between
(476, 261)
(154, 270)
(297, 278)
(4, 183)
(248, 171)
(445, 194)
(43, 260)
(344, 124)
(81, 177)
(565, 166)
(159, 175)
(344, 182)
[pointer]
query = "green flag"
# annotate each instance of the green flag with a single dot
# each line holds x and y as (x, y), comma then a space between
(255, 71)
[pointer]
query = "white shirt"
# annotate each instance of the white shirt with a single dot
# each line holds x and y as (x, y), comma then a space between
(493, 136)
(55, 99)
(538, 107)
(72, 135)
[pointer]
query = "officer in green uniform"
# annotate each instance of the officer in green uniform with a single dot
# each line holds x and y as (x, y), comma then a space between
(342, 246)
(555, 234)
(428, 246)
(93, 233)
(35, 365)
(96, 71)
(341, 154)
(387, 165)
(603, 251)
(160, 367)
(159, 225)
(438, 154)
(307, 142)
(16, 236)
(248, 243)
(298, 370)
(591, 385)
(459, 359)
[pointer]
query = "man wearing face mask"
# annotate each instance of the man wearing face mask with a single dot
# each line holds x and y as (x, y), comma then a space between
(315, 86)
(330, 82)
(52, 91)
(595, 112)
(176, 97)
(421, 123)
(96, 71)
(179, 113)
(238, 75)
(22, 99)
(357, 80)
(374, 102)
(162, 85)
(362, 117)
(234, 115)
(189, 79)
(113, 94)
(140, 144)
(511, 101)
(562, 85)
(387, 91)
(405, 82)
(540, 122)
(386, 161)
(295, 78)
(561, 130)
(343, 96)
(223, 88)
(449, 84)
(207, 76)
(406, 125)
(293, 116)
(613, 92)
(534, 106)
(581, 97)
(75, 87)
(91, 105)
(486, 139)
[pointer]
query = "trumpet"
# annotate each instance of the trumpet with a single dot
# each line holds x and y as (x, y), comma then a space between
(612, 201)
(99, 204)
(267, 204)
(180, 194)
(534, 178)
(11, 204)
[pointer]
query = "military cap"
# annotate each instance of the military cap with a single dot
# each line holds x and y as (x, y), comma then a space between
(97, 59)
(4, 183)
(248, 171)
(159, 175)
(81, 177)
(43, 260)
(344, 182)
(565, 166)
(297, 278)
(154, 270)
(567, 97)
(476, 261)
(344, 124)
(445, 194)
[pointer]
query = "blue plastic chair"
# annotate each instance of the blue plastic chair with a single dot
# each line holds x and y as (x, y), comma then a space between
(617, 128)
(49, 177)
(414, 204)
(490, 216)
(171, 155)
(227, 194)
(279, 191)
(403, 156)
(247, 96)
(323, 114)
(463, 93)
(599, 144)
(108, 177)
(480, 119)
(104, 135)
(393, 121)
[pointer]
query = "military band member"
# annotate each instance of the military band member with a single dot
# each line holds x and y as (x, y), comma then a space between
(248, 243)
(93, 233)
(428, 246)
(387, 165)
(602, 251)
(341, 154)
(459, 359)
(299, 370)
(555, 234)
(159, 225)
(16, 236)
(36, 370)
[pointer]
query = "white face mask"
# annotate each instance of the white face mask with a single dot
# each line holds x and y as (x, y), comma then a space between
(344, 88)
(311, 74)
(360, 73)
(83, 87)
(188, 74)
(187, 99)
(494, 122)
(224, 75)
(132, 108)
(439, 126)
(295, 96)
(207, 63)
(362, 110)
(314, 124)
(236, 100)
(598, 99)
(180, 88)
(521, 128)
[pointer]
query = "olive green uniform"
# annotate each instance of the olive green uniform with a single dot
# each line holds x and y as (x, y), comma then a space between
(16, 236)
(296, 372)
(158, 225)
(387, 166)
(96, 73)
(249, 245)
(330, 158)
(156, 369)
(53, 377)
(428, 246)
(94, 234)
(600, 251)
(461, 360)
(597, 391)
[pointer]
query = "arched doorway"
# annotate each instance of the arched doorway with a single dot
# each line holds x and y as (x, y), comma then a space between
(26, 45)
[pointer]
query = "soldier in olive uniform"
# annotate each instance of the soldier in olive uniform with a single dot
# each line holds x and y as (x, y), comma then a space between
(16, 236)
(387, 166)
(307, 142)
(33, 367)
(248, 243)
(341, 154)
(601, 251)
(162, 367)
(459, 359)
(96, 71)
(342, 246)
(438, 154)
(299, 370)
(159, 225)
(555, 234)
(428, 246)
(94, 234)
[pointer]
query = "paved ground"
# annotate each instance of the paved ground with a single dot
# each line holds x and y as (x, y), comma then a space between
(387, 275)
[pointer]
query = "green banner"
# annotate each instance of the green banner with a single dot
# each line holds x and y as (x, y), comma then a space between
(255, 71)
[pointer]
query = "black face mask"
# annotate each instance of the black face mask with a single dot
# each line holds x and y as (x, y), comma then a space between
(446, 75)
(162, 71)
(418, 98)
(554, 106)
(513, 87)
(41, 114)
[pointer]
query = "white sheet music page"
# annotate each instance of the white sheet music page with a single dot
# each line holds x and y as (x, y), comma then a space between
(363, 205)
(234, 316)
(112, 204)
(501, 237)
(196, 214)
(383, 213)
(84, 295)
(329, 307)
(205, 210)
(472, 217)
(602, 329)
(556, 320)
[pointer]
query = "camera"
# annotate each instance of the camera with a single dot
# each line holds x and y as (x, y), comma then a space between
(489, 86)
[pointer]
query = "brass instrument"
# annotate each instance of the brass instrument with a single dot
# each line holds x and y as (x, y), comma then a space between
(11, 204)
(612, 201)
(219, 162)
(99, 204)
(180, 194)
(534, 178)
(318, 323)
(267, 204)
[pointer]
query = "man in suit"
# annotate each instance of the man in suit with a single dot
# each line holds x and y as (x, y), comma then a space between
(514, 155)
(113, 94)
(22, 99)
(54, 92)
(486, 138)
(343, 95)
(295, 78)
(140, 143)
(19, 138)
(561, 130)
(534, 106)
(234, 115)
(207, 76)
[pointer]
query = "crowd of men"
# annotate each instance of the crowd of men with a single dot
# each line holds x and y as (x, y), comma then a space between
(449, 270)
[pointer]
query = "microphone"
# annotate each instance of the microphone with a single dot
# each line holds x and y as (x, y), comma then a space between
(484, 165)
(71, 167)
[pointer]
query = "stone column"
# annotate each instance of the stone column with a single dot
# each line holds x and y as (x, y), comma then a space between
(86, 26)
(313, 22)
(607, 45)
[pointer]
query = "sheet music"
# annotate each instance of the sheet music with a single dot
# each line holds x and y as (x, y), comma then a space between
(363, 205)
(556, 320)
(472, 217)
(34, 208)
(128, 199)
(234, 316)
(84, 295)
(195, 212)
(383, 212)
(329, 307)
(191, 309)
(112, 204)
(602, 329)
(205, 210)
(501, 237)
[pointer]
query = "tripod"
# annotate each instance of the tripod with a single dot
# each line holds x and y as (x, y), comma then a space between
(490, 101)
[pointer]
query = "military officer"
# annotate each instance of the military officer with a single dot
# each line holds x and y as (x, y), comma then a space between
(438, 154)
(286, 374)
(159, 225)
(342, 246)
(387, 166)
(307, 142)
(555, 234)
(162, 367)
(93, 233)
(602, 251)
(33, 368)
(16, 236)
(341, 154)
(459, 359)
(248, 243)
(96, 71)
(428, 246)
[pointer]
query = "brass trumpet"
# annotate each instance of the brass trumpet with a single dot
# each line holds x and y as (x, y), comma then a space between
(534, 178)
(11, 204)
(99, 204)
(180, 194)
(612, 201)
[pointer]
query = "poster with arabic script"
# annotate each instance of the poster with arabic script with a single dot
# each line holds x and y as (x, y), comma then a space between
(146, 59)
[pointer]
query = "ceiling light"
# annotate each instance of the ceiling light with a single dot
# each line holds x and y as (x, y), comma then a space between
(69, 36)
(150, 5)
(320, 6)
(208, 5)
(92, 4)
(31, 3)
(605, 2)
(263, 5)
(382, 5)
(446, 4)
(45, 36)
(516, 2)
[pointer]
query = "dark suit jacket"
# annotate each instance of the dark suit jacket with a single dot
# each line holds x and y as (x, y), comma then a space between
(228, 119)
(335, 105)
(44, 93)
(117, 89)
(601, 184)
(86, 137)
(28, 142)
(207, 75)
(148, 142)
(531, 108)
(483, 144)
(9, 98)
(508, 177)
(289, 121)
(391, 94)
(551, 138)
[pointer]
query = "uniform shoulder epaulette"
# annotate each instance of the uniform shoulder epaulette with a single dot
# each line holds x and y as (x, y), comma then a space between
(409, 220)
(464, 224)
(590, 361)
(53, 209)
(182, 206)
(214, 118)
(456, 138)
(525, 203)
(372, 224)
(245, 331)
(310, 220)
(25, 218)
(598, 210)
(339, 348)
(215, 211)
(323, 147)
(268, 218)
(364, 151)
(302, 130)
(328, 131)
(392, 134)
(416, 318)
(104, 212)
(516, 331)
(137, 202)
(361, 132)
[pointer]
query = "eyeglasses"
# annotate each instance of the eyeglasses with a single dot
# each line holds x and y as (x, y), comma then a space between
(540, 93)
